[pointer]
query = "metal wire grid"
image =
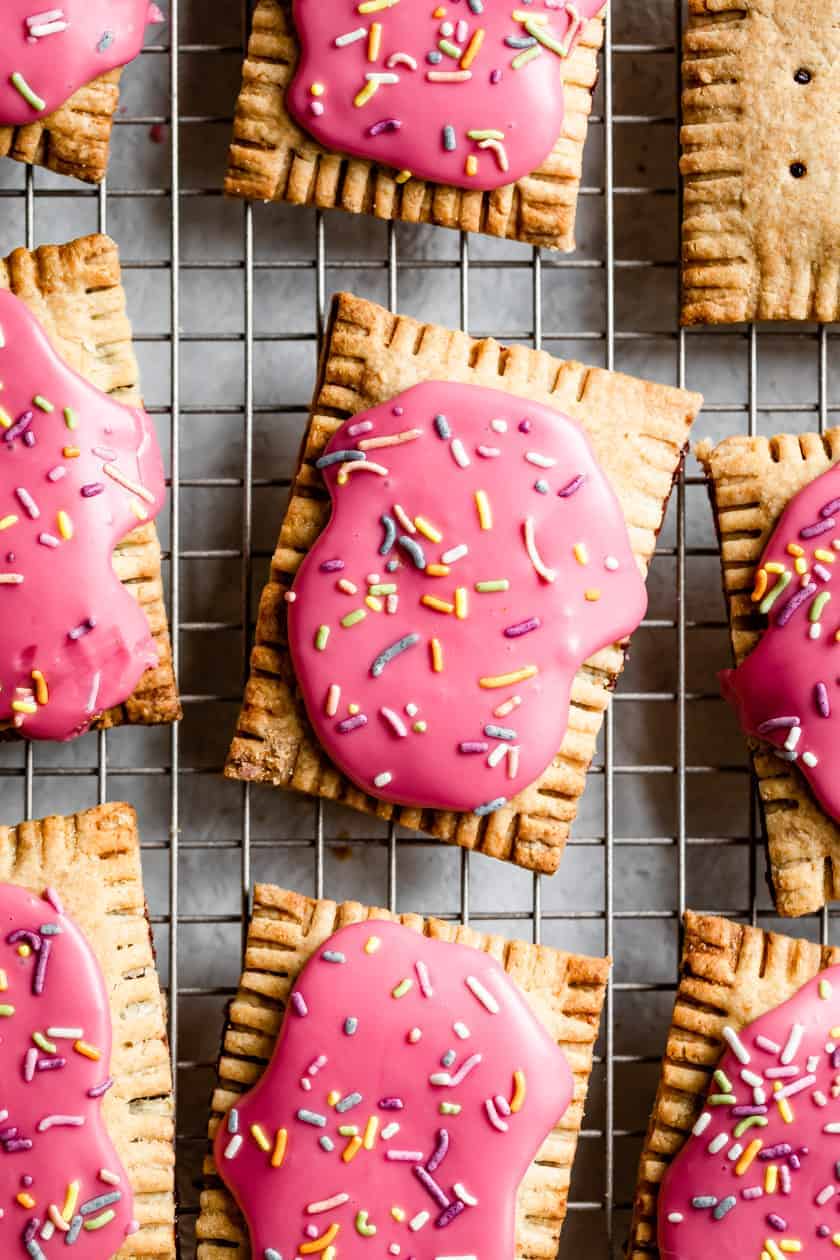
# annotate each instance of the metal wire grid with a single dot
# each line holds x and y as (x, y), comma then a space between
(603, 1230)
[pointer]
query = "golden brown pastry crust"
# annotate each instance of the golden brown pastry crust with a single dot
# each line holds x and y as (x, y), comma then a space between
(74, 139)
(76, 294)
(92, 860)
(757, 242)
(272, 159)
(730, 974)
(565, 991)
(638, 431)
(752, 480)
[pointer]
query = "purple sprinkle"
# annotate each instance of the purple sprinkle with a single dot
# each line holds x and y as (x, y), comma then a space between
(524, 426)
(7, 1134)
(749, 1111)
(495, 76)
(571, 487)
(352, 723)
(27, 503)
(51, 1065)
(823, 1231)
(794, 1162)
(819, 527)
(10, 557)
(32, 939)
(752, 1192)
(397, 411)
(821, 700)
(299, 1004)
(777, 1222)
(48, 540)
(83, 628)
(98, 1090)
(391, 1104)
(835, 1059)
(105, 452)
(39, 975)
(19, 427)
(29, 439)
(439, 1154)
(775, 1152)
(830, 508)
(55, 474)
(522, 627)
(17, 1144)
(30, 1231)
(331, 566)
(473, 746)
(447, 1217)
(795, 603)
(361, 426)
(26, 1181)
(92, 490)
(311, 1231)
(776, 724)
(431, 1185)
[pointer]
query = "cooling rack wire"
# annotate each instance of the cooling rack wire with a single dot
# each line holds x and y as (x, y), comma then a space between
(635, 1018)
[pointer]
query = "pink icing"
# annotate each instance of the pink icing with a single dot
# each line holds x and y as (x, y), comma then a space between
(787, 690)
(59, 48)
(390, 1026)
(63, 611)
(52, 1134)
(459, 737)
(421, 126)
(719, 1197)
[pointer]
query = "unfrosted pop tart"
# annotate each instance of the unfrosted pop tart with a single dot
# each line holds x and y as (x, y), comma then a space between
(61, 1182)
(59, 75)
(422, 1075)
(78, 472)
(465, 114)
(475, 556)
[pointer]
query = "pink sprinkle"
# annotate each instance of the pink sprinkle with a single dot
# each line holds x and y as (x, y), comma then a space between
(55, 474)
(28, 504)
(360, 427)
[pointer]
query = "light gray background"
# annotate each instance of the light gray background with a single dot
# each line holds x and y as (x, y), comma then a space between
(670, 825)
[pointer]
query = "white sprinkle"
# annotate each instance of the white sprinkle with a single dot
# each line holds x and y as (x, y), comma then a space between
(612, 564)
(752, 1078)
(305, 1083)
(831, 1128)
(233, 1147)
(736, 1045)
(383, 779)
(110, 1178)
(483, 995)
(499, 426)
(541, 461)
(824, 1195)
(341, 41)
(70, 1034)
(819, 1098)
(810, 760)
(94, 692)
(455, 553)
(812, 1063)
(814, 630)
(488, 452)
(735, 1152)
(414, 1036)
(460, 1029)
(793, 738)
(717, 1143)
(759, 1097)
(496, 754)
(325, 1205)
(418, 1221)
(702, 1124)
(764, 1043)
(675, 1218)
(390, 1130)
(794, 1038)
(423, 977)
(460, 456)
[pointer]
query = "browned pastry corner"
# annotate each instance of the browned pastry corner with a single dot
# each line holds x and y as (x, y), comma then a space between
(751, 482)
(272, 159)
(761, 161)
(565, 991)
(730, 974)
(75, 292)
(638, 431)
(75, 139)
(92, 860)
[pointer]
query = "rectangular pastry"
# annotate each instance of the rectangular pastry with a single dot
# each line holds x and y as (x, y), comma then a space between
(314, 969)
(448, 157)
(74, 293)
(86, 1126)
(776, 502)
(608, 477)
(741, 1147)
(760, 144)
(59, 80)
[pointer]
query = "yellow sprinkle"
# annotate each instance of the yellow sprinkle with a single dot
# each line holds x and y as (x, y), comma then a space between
(592, 595)
(800, 565)
(439, 605)
(71, 452)
(24, 706)
(471, 165)
(834, 1033)
(353, 709)
(771, 1248)
(518, 1090)
(4, 982)
(825, 989)
(793, 549)
(835, 1238)
(827, 557)
(6, 420)
(771, 1178)
(369, 1136)
(760, 588)
(318, 1244)
(71, 1198)
(258, 1134)
(373, 602)
(8, 521)
(25, 1200)
(581, 554)
(508, 680)
(774, 567)
(437, 655)
(765, 1255)
(402, 988)
(138, 510)
(361, 98)
(428, 529)
(398, 1213)
(65, 525)
(316, 89)
(402, 177)
(42, 694)
(472, 49)
(333, 1097)
(748, 1157)
(374, 40)
(439, 12)
(437, 570)
(375, 6)
(89, 1052)
(784, 1106)
(352, 1149)
(372, 944)
(790, 1244)
(279, 1152)
(24, 951)
(461, 602)
(485, 515)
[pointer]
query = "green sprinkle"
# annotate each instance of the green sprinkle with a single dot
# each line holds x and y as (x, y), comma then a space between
(40, 1040)
(402, 988)
(44, 403)
(348, 1130)
(770, 598)
(547, 38)
(722, 1100)
(488, 134)
(723, 1081)
(6, 1010)
(449, 1109)
(748, 1122)
(97, 1222)
(451, 50)
(825, 989)
(351, 618)
(31, 98)
(383, 588)
(523, 58)
(322, 637)
(500, 584)
(363, 1227)
(818, 605)
(70, 418)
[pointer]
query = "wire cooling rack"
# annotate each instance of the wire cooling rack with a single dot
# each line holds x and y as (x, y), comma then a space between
(228, 304)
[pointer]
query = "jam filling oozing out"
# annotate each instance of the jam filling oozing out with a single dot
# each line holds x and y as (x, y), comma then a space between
(78, 472)
(759, 1177)
(63, 1191)
(787, 691)
(47, 52)
(409, 1091)
(475, 556)
(468, 92)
